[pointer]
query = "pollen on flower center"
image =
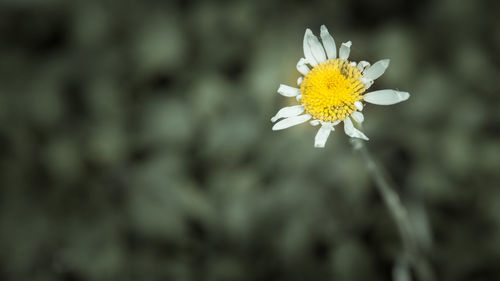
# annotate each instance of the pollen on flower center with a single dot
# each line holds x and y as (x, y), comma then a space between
(330, 90)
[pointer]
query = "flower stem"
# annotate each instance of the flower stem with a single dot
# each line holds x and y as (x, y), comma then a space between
(411, 254)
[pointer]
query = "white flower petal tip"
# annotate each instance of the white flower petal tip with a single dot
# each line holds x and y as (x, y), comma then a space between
(359, 105)
(322, 136)
(358, 117)
(345, 50)
(363, 65)
(403, 95)
(376, 70)
(328, 43)
(353, 132)
(386, 97)
(314, 122)
(298, 97)
(308, 52)
(288, 91)
(316, 49)
(302, 66)
(289, 111)
(299, 80)
(291, 121)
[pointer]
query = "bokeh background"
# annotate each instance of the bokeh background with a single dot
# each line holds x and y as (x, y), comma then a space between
(135, 141)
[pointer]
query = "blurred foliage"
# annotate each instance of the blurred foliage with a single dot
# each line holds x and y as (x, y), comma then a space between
(135, 141)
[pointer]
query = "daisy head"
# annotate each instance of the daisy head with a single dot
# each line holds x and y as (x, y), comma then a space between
(332, 89)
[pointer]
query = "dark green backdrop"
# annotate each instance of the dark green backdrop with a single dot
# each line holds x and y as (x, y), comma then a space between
(135, 141)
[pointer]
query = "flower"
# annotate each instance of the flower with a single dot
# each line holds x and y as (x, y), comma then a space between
(332, 90)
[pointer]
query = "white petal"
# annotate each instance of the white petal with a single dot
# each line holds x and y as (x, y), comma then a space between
(314, 122)
(302, 67)
(322, 136)
(298, 97)
(332, 125)
(335, 123)
(289, 111)
(362, 65)
(316, 48)
(328, 43)
(358, 116)
(386, 97)
(367, 82)
(299, 80)
(288, 91)
(292, 121)
(376, 70)
(344, 51)
(329, 124)
(308, 53)
(359, 105)
(351, 131)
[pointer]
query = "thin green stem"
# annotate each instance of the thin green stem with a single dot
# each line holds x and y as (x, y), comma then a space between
(411, 251)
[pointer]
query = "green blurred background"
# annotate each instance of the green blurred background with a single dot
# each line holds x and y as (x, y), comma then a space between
(135, 141)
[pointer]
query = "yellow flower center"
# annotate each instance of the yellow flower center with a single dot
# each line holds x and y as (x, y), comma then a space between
(330, 90)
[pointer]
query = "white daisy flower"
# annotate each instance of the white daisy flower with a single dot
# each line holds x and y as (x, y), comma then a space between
(332, 89)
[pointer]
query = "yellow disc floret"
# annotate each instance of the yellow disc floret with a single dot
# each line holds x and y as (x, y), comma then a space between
(330, 90)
